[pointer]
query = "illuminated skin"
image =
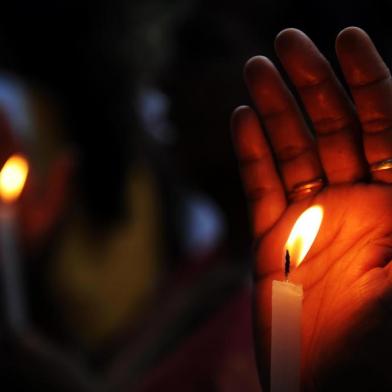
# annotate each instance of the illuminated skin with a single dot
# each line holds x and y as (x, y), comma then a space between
(347, 275)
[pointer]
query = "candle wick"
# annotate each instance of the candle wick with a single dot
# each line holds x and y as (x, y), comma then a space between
(287, 265)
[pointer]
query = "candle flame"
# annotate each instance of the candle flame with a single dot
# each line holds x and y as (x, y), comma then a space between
(304, 233)
(13, 178)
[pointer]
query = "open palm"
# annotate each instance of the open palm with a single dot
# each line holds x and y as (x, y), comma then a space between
(347, 275)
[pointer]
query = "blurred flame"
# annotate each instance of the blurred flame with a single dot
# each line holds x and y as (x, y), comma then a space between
(13, 177)
(304, 233)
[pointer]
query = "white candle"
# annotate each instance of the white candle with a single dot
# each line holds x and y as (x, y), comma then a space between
(12, 180)
(287, 306)
(11, 269)
(286, 336)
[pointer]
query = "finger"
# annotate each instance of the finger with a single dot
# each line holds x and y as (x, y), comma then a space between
(262, 184)
(329, 107)
(370, 83)
(290, 138)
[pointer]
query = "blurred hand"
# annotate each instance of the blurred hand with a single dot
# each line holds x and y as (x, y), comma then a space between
(45, 197)
(347, 275)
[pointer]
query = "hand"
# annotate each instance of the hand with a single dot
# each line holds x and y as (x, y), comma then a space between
(347, 275)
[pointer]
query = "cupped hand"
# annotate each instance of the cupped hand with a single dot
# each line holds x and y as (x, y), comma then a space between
(347, 275)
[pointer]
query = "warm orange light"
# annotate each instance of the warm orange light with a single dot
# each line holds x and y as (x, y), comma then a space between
(13, 177)
(304, 233)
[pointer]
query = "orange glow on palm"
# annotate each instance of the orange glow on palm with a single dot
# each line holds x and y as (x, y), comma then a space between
(304, 233)
(13, 177)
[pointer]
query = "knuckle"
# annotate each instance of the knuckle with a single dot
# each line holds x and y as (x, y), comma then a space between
(290, 152)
